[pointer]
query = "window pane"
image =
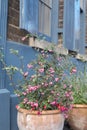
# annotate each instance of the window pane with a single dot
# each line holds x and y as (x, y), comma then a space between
(41, 17)
(45, 17)
(47, 21)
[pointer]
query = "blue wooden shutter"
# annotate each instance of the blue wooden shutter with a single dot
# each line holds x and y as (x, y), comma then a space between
(3, 20)
(72, 24)
(29, 15)
(3, 35)
(82, 25)
(55, 10)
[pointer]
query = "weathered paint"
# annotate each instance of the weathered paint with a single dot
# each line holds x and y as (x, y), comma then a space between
(13, 112)
(3, 30)
(4, 109)
(29, 15)
(72, 25)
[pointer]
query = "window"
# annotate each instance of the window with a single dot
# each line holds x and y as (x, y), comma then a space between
(40, 17)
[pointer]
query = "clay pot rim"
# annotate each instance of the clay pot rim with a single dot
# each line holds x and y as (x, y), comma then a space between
(79, 106)
(35, 112)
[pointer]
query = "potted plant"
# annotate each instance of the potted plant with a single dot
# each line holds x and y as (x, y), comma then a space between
(44, 92)
(78, 115)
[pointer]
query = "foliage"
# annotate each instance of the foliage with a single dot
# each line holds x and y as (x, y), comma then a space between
(44, 83)
(79, 82)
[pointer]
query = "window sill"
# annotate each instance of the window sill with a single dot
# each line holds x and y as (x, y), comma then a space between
(42, 44)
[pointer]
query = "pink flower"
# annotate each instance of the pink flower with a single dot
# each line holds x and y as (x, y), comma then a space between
(53, 103)
(29, 66)
(42, 93)
(51, 70)
(46, 84)
(25, 74)
(52, 92)
(45, 106)
(73, 70)
(24, 93)
(25, 100)
(50, 51)
(41, 70)
(56, 79)
(62, 108)
(17, 107)
(67, 94)
(50, 83)
(71, 98)
(35, 104)
(39, 112)
(40, 63)
(64, 86)
(32, 88)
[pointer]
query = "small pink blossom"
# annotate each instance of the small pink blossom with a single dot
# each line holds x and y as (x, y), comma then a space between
(71, 98)
(58, 94)
(24, 93)
(25, 74)
(67, 94)
(25, 100)
(52, 92)
(53, 103)
(39, 112)
(45, 107)
(50, 83)
(50, 51)
(56, 79)
(73, 70)
(32, 88)
(41, 70)
(17, 107)
(40, 63)
(65, 86)
(46, 84)
(51, 70)
(29, 66)
(35, 104)
(42, 93)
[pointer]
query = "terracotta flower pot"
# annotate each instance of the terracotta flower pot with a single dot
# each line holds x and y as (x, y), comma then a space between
(48, 120)
(78, 117)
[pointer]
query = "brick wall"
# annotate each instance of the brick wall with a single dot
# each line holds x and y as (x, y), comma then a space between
(61, 9)
(60, 21)
(14, 33)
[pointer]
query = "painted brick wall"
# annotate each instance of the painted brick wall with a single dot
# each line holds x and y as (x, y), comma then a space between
(61, 9)
(14, 33)
(60, 21)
